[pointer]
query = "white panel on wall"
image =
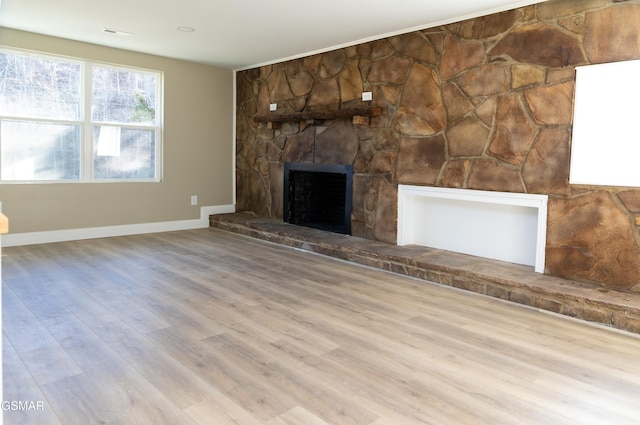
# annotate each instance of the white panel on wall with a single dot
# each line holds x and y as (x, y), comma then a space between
(606, 121)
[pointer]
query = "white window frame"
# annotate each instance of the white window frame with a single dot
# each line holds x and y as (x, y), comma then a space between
(86, 124)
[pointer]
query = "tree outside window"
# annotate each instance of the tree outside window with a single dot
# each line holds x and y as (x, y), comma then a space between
(47, 133)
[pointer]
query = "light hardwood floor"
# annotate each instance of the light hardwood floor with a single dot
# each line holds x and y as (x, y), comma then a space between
(208, 327)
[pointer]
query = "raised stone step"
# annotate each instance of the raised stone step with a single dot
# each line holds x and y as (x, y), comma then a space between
(513, 282)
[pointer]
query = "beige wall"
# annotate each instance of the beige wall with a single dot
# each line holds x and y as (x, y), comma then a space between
(198, 150)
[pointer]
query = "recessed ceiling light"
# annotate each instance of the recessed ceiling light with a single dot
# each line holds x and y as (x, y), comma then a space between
(186, 29)
(116, 32)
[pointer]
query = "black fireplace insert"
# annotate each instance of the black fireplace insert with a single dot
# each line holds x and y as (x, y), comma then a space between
(318, 196)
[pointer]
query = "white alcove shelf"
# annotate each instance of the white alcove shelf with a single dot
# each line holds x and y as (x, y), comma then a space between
(502, 226)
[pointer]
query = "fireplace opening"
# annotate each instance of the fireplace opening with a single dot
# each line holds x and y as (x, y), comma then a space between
(318, 196)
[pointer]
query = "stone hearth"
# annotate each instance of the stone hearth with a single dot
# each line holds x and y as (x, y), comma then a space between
(513, 282)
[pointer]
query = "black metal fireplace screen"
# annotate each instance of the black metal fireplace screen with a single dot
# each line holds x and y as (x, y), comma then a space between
(318, 196)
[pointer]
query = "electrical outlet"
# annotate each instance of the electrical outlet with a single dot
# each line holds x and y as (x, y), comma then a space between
(194, 199)
(366, 96)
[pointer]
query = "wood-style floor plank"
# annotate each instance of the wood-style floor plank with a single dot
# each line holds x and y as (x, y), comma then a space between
(17, 378)
(208, 327)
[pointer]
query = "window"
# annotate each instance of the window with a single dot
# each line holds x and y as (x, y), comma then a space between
(69, 120)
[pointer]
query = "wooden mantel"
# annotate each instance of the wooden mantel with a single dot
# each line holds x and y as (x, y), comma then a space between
(368, 111)
(4, 224)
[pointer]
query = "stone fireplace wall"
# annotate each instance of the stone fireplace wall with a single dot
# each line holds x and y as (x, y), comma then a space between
(481, 104)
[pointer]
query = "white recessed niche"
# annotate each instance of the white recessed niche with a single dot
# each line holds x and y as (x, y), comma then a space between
(502, 226)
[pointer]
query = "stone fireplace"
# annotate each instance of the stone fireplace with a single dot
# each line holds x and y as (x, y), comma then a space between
(318, 196)
(484, 104)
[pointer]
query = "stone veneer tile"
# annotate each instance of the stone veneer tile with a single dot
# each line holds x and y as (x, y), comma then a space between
(419, 160)
(631, 200)
(486, 26)
(539, 44)
(520, 297)
(546, 169)
(611, 34)
(551, 105)
(598, 315)
(627, 321)
(497, 291)
(595, 219)
(468, 284)
(554, 9)
(547, 304)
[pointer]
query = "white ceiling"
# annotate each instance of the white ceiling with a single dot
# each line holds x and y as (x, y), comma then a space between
(238, 33)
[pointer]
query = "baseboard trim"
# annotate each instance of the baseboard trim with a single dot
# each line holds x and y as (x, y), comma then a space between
(34, 238)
